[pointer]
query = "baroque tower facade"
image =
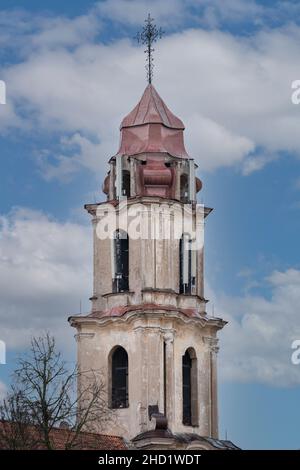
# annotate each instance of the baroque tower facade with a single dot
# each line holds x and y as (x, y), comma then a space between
(148, 330)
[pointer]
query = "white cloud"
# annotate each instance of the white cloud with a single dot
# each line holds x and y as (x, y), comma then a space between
(24, 32)
(134, 12)
(256, 162)
(216, 13)
(233, 93)
(45, 271)
(208, 13)
(65, 32)
(10, 119)
(256, 344)
(77, 152)
(220, 146)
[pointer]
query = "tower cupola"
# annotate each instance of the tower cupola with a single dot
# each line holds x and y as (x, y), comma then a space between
(151, 127)
(152, 159)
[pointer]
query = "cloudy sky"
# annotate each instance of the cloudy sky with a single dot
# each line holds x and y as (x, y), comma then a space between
(72, 71)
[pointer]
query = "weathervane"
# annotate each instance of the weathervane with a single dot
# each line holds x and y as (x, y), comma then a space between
(149, 35)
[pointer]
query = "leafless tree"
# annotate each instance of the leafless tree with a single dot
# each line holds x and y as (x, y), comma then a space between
(45, 394)
(15, 422)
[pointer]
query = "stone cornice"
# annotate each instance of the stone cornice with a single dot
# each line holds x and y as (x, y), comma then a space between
(147, 200)
(80, 336)
(143, 314)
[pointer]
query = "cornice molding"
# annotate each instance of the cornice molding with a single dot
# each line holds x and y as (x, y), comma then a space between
(143, 314)
(80, 336)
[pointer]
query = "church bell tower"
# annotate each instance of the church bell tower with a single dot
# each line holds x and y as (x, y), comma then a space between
(148, 330)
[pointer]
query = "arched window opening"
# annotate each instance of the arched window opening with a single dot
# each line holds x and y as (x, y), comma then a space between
(119, 378)
(187, 266)
(189, 388)
(120, 262)
(184, 188)
(126, 183)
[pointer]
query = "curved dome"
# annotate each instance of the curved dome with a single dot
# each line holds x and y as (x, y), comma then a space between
(152, 127)
(151, 110)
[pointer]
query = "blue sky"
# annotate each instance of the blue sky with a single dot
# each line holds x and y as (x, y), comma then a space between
(72, 72)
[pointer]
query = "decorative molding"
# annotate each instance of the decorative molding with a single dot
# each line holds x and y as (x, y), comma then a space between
(159, 290)
(80, 336)
(160, 329)
(169, 336)
(116, 294)
(143, 314)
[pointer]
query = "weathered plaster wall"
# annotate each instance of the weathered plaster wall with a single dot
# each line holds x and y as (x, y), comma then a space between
(143, 336)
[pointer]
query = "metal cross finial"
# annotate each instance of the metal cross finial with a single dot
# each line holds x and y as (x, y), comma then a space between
(149, 34)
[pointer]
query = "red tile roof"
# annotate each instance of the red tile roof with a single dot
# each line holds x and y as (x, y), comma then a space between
(62, 438)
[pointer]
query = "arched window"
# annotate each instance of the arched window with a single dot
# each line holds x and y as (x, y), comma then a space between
(189, 388)
(184, 188)
(187, 266)
(119, 378)
(120, 264)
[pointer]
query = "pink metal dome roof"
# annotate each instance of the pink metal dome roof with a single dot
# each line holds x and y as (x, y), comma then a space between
(151, 109)
(152, 127)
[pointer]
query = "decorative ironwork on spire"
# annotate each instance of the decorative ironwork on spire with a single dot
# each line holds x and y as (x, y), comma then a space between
(148, 36)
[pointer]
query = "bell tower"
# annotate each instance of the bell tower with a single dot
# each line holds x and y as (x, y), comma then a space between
(148, 330)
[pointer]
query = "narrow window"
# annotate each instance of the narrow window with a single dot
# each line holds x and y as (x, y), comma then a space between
(184, 188)
(119, 378)
(189, 388)
(119, 178)
(121, 262)
(187, 266)
(126, 183)
(186, 389)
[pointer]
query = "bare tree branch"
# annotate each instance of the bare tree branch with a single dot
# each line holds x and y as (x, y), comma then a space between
(44, 394)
